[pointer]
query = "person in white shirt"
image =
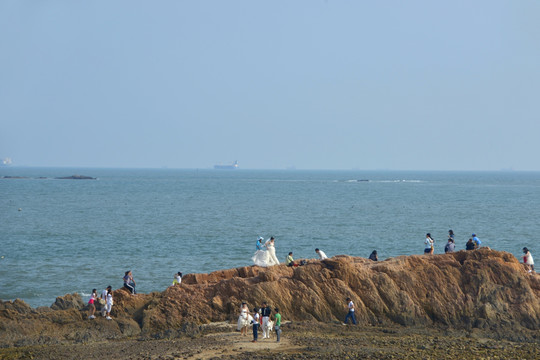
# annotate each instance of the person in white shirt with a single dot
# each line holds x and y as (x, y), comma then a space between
(321, 254)
(177, 279)
(255, 324)
(109, 305)
(103, 300)
(350, 314)
(528, 259)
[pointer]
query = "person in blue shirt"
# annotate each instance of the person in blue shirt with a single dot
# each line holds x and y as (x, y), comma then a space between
(476, 240)
(259, 245)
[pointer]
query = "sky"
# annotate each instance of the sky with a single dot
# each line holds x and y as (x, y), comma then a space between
(369, 85)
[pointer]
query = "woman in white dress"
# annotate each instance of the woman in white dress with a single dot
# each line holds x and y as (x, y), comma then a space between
(244, 320)
(272, 259)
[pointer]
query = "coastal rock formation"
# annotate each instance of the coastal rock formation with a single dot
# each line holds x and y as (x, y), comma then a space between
(76, 177)
(482, 290)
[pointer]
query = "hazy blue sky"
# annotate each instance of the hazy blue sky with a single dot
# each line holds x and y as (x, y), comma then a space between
(412, 85)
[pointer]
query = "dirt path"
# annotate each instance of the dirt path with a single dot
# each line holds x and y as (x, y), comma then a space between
(238, 344)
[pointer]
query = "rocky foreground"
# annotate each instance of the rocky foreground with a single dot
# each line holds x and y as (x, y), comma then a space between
(484, 293)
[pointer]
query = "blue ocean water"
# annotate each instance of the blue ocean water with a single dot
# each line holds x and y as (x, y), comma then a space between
(64, 236)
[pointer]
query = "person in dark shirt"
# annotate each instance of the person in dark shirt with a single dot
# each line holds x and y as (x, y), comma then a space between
(470, 245)
(265, 313)
(374, 256)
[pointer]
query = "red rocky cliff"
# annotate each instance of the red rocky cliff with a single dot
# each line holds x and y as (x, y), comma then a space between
(483, 289)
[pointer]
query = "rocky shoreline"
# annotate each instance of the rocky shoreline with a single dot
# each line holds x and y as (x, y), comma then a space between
(300, 340)
(484, 293)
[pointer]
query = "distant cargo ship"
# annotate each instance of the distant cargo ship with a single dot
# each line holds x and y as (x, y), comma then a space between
(232, 166)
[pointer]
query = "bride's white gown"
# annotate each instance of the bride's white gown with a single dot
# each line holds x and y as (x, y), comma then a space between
(266, 258)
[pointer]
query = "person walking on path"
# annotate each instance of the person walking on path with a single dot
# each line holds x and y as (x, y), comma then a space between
(350, 314)
(277, 324)
(255, 324)
(265, 313)
(429, 244)
(92, 305)
(528, 260)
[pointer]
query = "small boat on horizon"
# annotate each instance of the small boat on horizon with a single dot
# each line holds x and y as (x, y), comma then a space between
(232, 166)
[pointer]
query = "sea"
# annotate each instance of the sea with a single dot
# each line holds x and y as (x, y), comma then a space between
(60, 236)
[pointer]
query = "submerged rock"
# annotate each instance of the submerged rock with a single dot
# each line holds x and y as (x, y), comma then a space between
(482, 291)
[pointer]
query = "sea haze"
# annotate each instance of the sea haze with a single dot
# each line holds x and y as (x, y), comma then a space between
(64, 236)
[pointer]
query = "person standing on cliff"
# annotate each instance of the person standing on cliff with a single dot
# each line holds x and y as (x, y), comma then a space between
(110, 303)
(265, 313)
(528, 260)
(103, 300)
(429, 244)
(350, 314)
(255, 322)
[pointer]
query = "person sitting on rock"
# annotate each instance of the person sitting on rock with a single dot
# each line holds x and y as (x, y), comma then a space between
(470, 245)
(450, 246)
(129, 283)
(289, 259)
(177, 279)
(374, 256)
(476, 240)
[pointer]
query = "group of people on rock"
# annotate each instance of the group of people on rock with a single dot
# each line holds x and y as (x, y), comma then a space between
(105, 301)
(265, 254)
(473, 243)
(261, 318)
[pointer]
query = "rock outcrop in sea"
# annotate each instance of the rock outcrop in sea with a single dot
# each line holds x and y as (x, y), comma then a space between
(483, 291)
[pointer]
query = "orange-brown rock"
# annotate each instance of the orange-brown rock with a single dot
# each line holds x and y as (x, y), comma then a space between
(482, 289)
